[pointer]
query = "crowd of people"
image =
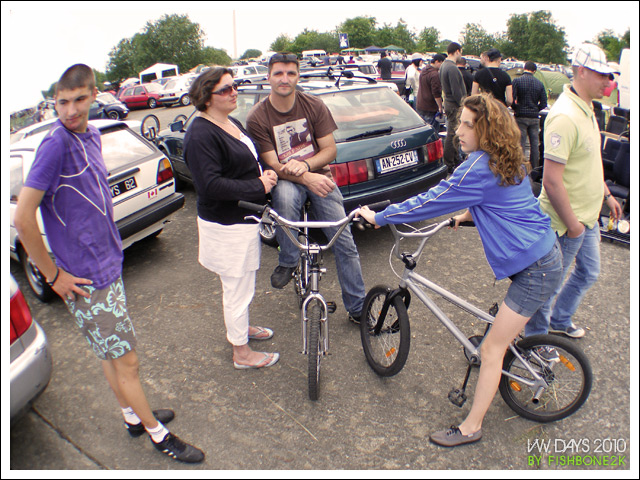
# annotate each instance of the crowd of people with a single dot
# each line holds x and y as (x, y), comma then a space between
(284, 153)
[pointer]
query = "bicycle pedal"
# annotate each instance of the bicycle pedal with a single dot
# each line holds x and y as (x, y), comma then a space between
(457, 397)
(331, 307)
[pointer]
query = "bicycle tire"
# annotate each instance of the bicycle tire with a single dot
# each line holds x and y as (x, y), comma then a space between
(387, 350)
(314, 350)
(570, 380)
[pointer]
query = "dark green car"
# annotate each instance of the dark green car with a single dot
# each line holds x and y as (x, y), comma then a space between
(385, 150)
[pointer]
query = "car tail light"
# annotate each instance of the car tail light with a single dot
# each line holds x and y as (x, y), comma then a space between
(351, 173)
(434, 151)
(165, 172)
(20, 316)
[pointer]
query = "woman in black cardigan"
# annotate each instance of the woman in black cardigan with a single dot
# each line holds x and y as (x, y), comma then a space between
(224, 167)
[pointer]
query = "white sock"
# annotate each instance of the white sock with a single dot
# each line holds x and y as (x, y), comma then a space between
(130, 416)
(157, 434)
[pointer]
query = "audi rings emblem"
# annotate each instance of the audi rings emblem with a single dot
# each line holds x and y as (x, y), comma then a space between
(399, 144)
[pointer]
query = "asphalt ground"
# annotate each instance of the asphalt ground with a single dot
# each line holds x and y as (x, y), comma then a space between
(367, 425)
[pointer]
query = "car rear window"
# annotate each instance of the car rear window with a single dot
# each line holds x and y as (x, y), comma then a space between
(121, 147)
(368, 110)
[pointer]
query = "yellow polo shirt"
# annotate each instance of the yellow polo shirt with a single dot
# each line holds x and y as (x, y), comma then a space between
(572, 137)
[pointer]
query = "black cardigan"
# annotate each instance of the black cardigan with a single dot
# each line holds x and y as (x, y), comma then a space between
(223, 170)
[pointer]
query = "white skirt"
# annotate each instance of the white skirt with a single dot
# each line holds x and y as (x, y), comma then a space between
(229, 250)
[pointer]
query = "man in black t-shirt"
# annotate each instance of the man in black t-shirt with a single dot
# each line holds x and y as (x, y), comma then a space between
(493, 79)
(384, 65)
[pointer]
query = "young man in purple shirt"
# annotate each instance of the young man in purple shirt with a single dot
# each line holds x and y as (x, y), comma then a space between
(68, 181)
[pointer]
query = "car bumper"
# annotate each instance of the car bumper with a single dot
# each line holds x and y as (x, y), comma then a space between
(396, 193)
(30, 369)
(149, 220)
(169, 101)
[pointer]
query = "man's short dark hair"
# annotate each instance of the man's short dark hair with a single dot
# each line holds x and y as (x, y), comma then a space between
(461, 61)
(453, 48)
(438, 57)
(203, 85)
(76, 76)
(284, 57)
(530, 66)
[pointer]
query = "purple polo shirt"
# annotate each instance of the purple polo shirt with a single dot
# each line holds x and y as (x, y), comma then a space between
(77, 208)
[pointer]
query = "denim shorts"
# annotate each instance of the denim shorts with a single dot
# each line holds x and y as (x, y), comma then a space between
(534, 285)
(104, 321)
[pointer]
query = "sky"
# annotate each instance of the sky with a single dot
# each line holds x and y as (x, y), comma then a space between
(41, 39)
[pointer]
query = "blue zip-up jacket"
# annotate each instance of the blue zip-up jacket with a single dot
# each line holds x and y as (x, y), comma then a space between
(514, 231)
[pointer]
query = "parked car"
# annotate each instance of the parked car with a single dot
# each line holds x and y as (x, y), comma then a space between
(163, 81)
(176, 91)
(141, 96)
(108, 106)
(30, 357)
(249, 73)
(385, 150)
(142, 189)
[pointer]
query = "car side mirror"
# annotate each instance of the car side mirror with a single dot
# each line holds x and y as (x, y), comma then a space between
(177, 126)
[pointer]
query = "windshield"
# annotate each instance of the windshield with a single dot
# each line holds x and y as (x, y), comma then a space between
(357, 112)
(107, 98)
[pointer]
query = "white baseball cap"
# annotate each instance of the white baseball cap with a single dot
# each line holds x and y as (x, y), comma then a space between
(416, 56)
(592, 57)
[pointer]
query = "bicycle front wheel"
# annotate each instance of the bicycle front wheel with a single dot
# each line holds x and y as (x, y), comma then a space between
(385, 333)
(314, 348)
(568, 378)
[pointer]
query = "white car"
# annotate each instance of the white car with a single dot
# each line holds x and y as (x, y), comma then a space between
(142, 187)
(176, 91)
(249, 73)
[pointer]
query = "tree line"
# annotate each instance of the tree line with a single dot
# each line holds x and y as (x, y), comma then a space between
(175, 39)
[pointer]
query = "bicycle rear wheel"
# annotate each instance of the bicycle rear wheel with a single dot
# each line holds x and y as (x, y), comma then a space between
(385, 333)
(314, 348)
(569, 379)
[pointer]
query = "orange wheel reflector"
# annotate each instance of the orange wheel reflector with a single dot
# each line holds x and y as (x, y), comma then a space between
(390, 352)
(515, 386)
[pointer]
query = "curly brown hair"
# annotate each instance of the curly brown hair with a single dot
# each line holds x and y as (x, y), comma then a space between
(498, 135)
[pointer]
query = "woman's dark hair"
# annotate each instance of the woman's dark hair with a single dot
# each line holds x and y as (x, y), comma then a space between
(498, 135)
(201, 88)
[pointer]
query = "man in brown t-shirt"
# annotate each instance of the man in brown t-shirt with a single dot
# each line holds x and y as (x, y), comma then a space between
(294, 131)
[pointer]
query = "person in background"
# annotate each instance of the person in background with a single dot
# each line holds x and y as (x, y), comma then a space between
(384, 66)
(516, 235)
(429, 101)
(412, 79)
(573, 189)
(223, 162)
(454, 91)
(68, 183)
(493, 79)
(466, 73)
(529, 98)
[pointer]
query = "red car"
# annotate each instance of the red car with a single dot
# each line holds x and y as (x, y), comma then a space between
(145, 95)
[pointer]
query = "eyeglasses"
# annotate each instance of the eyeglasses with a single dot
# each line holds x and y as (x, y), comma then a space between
(226, 90)
(283, 57)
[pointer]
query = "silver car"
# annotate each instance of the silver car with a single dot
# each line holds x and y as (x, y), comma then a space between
(30, 358)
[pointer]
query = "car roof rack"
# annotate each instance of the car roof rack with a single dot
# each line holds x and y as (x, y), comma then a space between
(337, 74)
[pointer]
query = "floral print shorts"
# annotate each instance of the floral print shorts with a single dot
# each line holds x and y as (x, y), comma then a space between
(104, 321)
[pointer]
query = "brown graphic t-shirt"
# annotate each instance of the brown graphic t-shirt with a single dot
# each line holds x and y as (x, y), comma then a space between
(292, 135)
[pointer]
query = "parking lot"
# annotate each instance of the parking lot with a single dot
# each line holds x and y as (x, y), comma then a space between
(263, 420)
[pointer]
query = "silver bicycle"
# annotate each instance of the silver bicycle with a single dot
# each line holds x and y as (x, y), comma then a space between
(314, 309)
(536, 386)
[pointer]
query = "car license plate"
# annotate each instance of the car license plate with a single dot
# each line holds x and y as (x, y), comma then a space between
(396, 162)
(123, 186)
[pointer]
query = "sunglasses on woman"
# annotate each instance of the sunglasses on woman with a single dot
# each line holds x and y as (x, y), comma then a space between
(226, 90)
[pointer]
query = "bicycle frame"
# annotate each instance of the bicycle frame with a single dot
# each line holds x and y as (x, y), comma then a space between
(415, 284)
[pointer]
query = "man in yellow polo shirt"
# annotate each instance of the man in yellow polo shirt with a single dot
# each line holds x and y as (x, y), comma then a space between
(574, 188)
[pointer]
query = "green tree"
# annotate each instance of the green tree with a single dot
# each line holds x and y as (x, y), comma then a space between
(361, 31)
(476, 39)
(282, 43)
(251, 53)
(313, 40)
(428, 40)
(613, 44)
(213, 56)
(535, 36)
(122, 63)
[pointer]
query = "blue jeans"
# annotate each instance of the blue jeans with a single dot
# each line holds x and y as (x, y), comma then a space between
(430, 118)
(585, 249)
(288, 198)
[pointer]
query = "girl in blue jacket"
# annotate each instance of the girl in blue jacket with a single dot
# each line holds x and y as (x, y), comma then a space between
(517, 237)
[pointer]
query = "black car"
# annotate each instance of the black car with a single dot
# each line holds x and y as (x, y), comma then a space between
(107, 106)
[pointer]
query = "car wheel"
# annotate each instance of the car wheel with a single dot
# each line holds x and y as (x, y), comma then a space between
(152, 103)
(150, 127)
(36, 280)
(185, 100)
(113, 115)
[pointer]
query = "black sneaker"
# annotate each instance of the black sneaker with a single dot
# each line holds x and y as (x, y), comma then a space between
(164, 416)
(178, 450)
(281, 276)
(547, 353)
(355, 318)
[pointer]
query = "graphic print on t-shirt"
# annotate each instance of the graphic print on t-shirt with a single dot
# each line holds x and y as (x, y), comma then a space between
(293, 141)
